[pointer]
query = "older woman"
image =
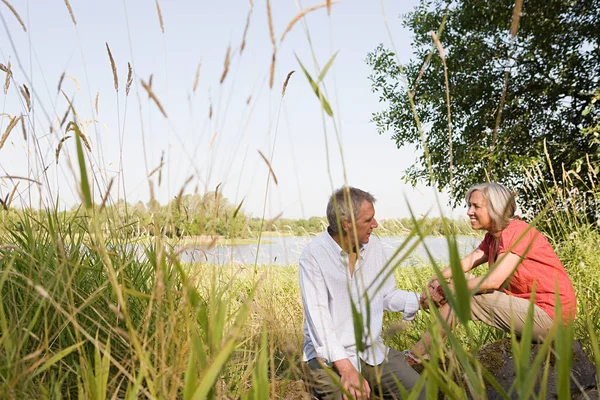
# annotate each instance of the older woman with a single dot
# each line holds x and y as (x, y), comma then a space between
(521, 262)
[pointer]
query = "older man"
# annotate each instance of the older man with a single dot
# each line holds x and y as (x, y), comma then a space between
(342, 270)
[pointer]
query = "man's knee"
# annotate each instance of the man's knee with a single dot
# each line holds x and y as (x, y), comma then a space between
(319, 382)
(393, 372)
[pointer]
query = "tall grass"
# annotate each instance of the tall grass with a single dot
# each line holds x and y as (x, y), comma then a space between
(87, 314)
(197, 331)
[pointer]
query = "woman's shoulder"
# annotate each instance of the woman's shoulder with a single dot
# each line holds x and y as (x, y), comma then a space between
(518, 225)
(521, 230)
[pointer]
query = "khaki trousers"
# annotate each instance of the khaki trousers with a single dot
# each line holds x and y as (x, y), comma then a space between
(394, 368)
(507, 312)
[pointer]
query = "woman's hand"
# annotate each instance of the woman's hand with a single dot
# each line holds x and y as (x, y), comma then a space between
(436, 293)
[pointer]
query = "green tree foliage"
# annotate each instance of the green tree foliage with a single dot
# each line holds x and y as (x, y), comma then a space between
(551, 67)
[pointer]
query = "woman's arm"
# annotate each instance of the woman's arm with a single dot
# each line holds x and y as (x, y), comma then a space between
(475, 259)
(507, 263)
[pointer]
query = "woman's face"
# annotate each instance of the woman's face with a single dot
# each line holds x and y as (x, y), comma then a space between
(478, 212)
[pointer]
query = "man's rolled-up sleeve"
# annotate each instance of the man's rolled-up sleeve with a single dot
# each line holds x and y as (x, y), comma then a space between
(398, 300)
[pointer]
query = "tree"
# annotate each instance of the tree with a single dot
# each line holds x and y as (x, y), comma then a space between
(541, 80)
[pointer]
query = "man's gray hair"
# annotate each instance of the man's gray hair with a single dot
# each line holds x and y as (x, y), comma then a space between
(342, 203)
(500, 202)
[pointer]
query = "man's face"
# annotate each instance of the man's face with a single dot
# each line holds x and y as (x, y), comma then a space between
(365, 223)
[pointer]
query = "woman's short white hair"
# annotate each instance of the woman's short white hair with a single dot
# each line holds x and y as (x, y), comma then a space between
(500, 202)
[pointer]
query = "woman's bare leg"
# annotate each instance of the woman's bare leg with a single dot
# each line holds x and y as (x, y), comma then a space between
(421, 348)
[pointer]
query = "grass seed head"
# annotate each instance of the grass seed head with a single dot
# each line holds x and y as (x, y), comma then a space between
(16, 14)
(129, 79)
(160, 17)
(113, 67)
(7, 78)
(70, 12)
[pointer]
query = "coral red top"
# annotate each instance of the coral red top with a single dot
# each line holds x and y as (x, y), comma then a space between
(540, 266)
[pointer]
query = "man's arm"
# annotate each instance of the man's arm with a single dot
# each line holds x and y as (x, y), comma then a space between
(398, 300)
(316, 311)
(320, 327)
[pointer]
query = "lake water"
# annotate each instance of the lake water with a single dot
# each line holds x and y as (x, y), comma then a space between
(285, 250)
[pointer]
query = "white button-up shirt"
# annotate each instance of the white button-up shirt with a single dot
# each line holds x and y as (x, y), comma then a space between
(328, 292)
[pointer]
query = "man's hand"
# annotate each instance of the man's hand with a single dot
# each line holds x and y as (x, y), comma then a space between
(355, 384)
(436, 293)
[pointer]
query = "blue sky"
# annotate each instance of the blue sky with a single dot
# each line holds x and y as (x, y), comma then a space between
(222, 150)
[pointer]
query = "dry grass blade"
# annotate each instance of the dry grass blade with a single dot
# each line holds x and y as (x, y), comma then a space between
(105, 198)
(213, 242)
(269, 165)
(13, 122)
(60, 145)
(85, 140)
(180, 194)
(156, 169)
(69, 101)
(272, 220)
(515, 18)
(153, 97)
(96, 102)
(328, 7)
(272, 72)
(22, 178)
(70, 12)
(12, 195)
(74, 81)
(71, 127)
(26, 96)
(160, 17)
(4, 203)
(60, 81)
(113, 67)
(197, 77)
(287, 79)
(212, 140)
(162, 157)
(129, 79)
(514, 29)
(438, 44)
(7, 78)
(3, 68)
(15, 13)
(302, 14)
(23, 129)
(270, 18)
(64, 118)
(591, 171)
(243, 45)
(152, 198)
(226, 65)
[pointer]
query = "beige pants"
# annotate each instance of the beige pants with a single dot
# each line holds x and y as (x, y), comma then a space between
(506, 312)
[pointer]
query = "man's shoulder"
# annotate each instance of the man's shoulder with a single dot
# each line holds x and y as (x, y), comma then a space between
(319, 242)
